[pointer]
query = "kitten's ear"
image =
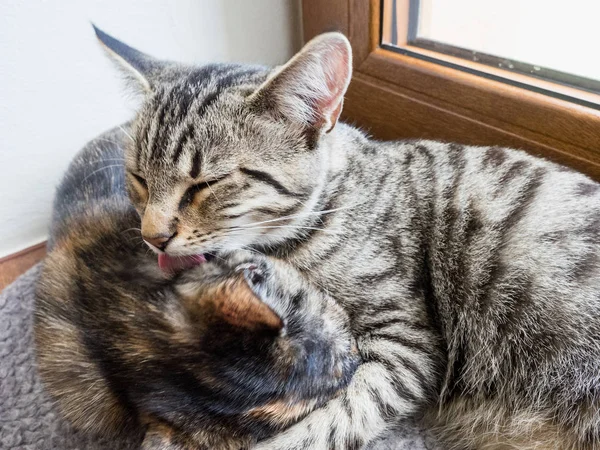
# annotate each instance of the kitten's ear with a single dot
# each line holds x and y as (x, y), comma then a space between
(309, 89)
(139, 69)
(237, 304)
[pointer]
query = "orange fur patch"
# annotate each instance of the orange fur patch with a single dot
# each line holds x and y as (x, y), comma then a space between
(281, 412)
(238, 305)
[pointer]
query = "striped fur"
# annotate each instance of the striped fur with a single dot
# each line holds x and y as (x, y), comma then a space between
(213, 358)
(471, 275)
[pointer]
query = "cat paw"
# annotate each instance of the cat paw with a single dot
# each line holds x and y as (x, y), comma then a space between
(255, 272)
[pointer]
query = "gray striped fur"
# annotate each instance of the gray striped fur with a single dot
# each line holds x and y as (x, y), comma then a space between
(471, 274)
(229, 352)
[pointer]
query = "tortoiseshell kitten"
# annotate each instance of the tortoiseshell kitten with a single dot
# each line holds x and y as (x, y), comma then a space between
(216, 357)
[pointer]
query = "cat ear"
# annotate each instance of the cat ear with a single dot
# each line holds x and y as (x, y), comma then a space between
(238, 305)
(309, 89)
(139, 68)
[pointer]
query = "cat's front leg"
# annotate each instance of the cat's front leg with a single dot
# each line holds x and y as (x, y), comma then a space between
(396, 380)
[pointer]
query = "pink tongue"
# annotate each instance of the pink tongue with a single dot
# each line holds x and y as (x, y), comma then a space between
(176, 263)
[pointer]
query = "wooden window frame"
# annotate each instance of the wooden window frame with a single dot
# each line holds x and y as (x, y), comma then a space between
(394, 95)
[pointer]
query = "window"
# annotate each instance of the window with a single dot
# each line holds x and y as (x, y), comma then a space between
(441, 69)
(536, 44)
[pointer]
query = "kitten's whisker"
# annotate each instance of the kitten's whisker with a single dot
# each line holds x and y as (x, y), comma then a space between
(112, 166)
(106, 140)
(108, 159)
(126, 133)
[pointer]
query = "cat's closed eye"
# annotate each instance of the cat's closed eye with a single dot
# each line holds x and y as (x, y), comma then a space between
(141, 181)
(139, 189)
(191, 192)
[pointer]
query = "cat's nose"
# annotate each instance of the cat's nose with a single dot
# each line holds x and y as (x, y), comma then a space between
(159, 241)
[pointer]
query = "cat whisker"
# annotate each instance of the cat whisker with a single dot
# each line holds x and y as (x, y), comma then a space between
(239, 233)
(126, 133)
(252, 250)
(136, 239)
(215, 256)
(106, 140)
(107, 159)
(301, 215)
(132, 229)
(134, 236)
(213, 193)
(112, 166)
(298, 227)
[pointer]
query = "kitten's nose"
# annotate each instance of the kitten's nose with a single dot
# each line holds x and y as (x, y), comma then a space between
(160, 241)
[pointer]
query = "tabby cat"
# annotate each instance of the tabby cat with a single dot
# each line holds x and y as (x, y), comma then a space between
(213, 358)
(471, 275)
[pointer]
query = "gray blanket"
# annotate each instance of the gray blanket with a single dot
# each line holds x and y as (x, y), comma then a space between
(28, 419)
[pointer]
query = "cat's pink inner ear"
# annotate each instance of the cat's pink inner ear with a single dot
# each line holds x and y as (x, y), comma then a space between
(238, 305)
(337, 64)
(310, 88)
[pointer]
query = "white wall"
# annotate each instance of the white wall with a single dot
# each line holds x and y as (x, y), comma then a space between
(553, 34)
(57, 89)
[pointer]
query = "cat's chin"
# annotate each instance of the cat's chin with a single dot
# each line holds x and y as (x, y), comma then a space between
(174, 264)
